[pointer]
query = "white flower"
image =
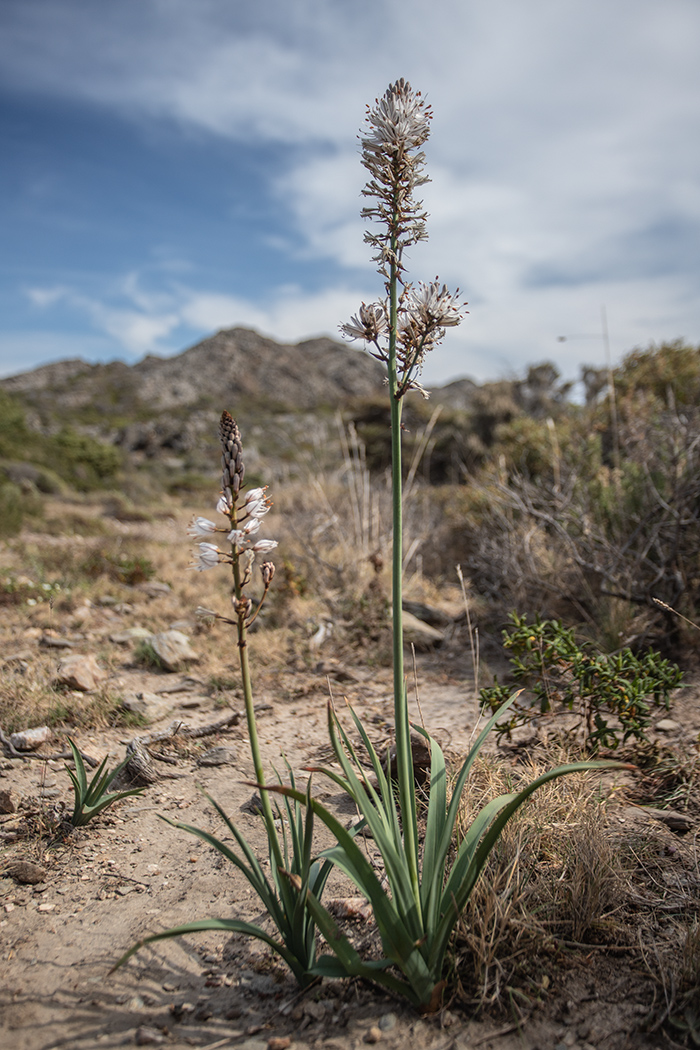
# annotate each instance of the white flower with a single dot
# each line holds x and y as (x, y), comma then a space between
(209, 556)
(368, 324)
(263, 546)
(225, 503)
(237, 538)
(258, 508)
(255, 494)
(434, 305)
(400, 119)
(201, 527)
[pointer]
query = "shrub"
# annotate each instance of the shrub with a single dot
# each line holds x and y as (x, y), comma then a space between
(613, 693)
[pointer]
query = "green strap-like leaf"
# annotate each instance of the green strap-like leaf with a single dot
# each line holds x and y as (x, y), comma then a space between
(228, 926)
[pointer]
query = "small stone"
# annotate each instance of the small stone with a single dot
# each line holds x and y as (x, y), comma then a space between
(131, 634)
(46, 907)
(217, 756)
(279, 1042)
(9, 801)
(147, 1036)
(80, 672)
(30, 739)
(54, 641)
(387, 1022)
(373, 1035)
(668, 725)
(26, 872)
(148, 705)
(173, 649)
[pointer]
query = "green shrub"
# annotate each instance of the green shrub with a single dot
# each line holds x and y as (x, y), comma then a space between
(83, 461)
(614, 693)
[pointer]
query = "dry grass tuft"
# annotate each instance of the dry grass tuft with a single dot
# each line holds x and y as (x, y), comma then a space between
(554, 876)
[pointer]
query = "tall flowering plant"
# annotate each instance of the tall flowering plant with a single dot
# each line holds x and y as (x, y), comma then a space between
(429, 883)
(294, 871)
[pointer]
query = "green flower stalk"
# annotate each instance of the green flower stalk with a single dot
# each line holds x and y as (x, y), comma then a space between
(425, 885)
(401, 330)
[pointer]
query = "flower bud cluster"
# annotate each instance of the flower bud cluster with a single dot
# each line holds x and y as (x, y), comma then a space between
(245, 516)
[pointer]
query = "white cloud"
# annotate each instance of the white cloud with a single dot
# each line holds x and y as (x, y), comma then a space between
(565, 142)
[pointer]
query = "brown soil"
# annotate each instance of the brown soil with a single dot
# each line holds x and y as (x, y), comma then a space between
(129, 873)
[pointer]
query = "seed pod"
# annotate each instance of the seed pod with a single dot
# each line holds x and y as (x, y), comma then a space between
(231, 458)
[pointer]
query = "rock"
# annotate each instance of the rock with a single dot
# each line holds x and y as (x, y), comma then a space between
(667, 725)
(26, 872)
(30, 739)
(387, 1022)
(420, 634)
(147, 1036)
(279, 1042)
(154, 589)
(149, 705)
(53, 641)
(173, 649)
(217, 756)
(131, 634)
(80, 672)
(373, 1035)
(9, 801)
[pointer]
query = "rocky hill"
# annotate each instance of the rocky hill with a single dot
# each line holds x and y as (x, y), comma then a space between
(230, 368)
(285, 397)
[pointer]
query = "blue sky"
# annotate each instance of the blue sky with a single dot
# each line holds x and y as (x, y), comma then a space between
(171, 167)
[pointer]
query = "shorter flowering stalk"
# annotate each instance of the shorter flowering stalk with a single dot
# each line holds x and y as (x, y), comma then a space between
(244, 515)
(244, 512)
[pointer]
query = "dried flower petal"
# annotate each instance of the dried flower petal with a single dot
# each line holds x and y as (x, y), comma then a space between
(369, 323)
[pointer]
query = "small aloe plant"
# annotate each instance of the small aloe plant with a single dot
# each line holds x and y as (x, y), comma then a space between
(92, 798)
